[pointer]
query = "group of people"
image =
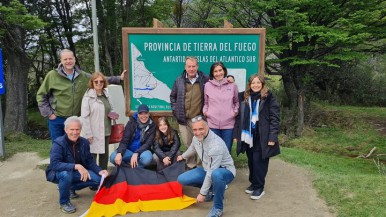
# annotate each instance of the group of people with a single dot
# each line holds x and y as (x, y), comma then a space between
(210, 112)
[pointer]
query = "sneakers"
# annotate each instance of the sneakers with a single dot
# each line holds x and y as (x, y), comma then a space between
(226, 187)
(249, 190)
(215, 212)
(73, 194)
(257, 194)
(209, 196)
(67, 207)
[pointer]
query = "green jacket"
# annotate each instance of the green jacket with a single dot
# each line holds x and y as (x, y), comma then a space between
(61, 96)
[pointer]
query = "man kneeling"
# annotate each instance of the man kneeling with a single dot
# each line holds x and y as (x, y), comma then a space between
(71, 165)
(217, 169)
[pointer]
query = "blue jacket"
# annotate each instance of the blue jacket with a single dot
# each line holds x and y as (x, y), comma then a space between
(62, 157)
(130, 133)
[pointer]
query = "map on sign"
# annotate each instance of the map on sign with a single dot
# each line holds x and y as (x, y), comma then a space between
(240, 76)
(145, 85)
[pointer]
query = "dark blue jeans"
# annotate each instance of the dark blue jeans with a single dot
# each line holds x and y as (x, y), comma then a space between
(71, 180)
(144, 159)
(226, 135)
(220, 178)
(56, 127)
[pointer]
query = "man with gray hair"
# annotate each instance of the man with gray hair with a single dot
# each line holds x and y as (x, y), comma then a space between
(217, 169)
(61, 92)
(71, 164)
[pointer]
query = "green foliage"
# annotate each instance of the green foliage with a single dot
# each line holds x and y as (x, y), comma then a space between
(306, 38)
(362, 83)
(15, 13)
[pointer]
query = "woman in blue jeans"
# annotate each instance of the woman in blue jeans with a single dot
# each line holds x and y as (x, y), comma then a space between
(221, 103)
(138, 137)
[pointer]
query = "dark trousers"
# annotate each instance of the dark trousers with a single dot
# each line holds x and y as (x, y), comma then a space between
(258, 168)
(160, 163)
(103, 158)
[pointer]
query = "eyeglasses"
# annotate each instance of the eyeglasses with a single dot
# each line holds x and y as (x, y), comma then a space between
(99, 82)
(197, 118)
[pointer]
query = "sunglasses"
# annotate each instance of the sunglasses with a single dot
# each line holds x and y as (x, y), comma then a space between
(98, 82)
(197, 118)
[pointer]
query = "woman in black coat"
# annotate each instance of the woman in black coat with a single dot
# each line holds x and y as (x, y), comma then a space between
(257, 130)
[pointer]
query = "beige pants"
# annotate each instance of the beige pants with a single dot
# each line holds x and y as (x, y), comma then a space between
(187, 136)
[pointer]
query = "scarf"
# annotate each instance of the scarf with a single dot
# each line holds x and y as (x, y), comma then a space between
(251, 116)
(143, 127)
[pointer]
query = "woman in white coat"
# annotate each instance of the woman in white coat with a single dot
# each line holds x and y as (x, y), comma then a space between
(97, 113)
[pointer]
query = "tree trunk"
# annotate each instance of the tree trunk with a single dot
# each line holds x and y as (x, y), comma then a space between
(300, 125)
(294, 114)
(16, 77)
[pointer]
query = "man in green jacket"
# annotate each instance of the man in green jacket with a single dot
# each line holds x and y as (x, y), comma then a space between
(60, 95)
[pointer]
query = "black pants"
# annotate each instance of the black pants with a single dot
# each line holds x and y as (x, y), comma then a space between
(258, 168)
(103, 158)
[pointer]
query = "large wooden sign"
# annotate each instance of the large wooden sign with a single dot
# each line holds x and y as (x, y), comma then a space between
(155, 57)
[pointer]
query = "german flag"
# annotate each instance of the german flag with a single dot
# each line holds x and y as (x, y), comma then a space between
(137, 189)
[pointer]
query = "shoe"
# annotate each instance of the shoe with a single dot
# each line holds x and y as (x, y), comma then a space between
(257, 194)
(215, 212)
(67, 207)
(93, 188)
(249, 190)
(226, 187)
(209, 196)
(73, 194)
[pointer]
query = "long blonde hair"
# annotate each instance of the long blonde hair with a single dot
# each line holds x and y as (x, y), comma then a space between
(264, 90)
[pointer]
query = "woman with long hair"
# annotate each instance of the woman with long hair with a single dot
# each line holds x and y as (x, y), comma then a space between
(166, 144)
(257, 130)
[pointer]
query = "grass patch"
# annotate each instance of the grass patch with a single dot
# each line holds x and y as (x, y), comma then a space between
(342, 131)
(353, 187)
(17, 142)
(35, 118)
(379, 112)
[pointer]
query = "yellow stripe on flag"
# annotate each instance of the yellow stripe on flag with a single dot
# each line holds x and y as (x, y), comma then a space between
(121, 208)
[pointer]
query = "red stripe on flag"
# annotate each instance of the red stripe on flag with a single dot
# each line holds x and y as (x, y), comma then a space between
(130, 193)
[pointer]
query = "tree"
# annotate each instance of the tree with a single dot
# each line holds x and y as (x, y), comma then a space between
(305, 34)
(15, 20)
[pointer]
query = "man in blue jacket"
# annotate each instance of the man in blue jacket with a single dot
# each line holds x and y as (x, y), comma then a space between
(71, 164)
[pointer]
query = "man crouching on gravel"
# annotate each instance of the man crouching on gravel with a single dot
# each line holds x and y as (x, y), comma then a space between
(217, 169)
(71, 164)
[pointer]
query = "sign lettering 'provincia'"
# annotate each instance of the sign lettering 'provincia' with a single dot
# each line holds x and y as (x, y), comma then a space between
(154, 59)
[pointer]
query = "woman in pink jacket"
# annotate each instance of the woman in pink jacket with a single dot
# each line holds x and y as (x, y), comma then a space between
(221, 103)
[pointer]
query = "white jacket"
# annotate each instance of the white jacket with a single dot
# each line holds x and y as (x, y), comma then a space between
(93, 114)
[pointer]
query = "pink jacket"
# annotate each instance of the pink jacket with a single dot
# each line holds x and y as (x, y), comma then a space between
(221, 104)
